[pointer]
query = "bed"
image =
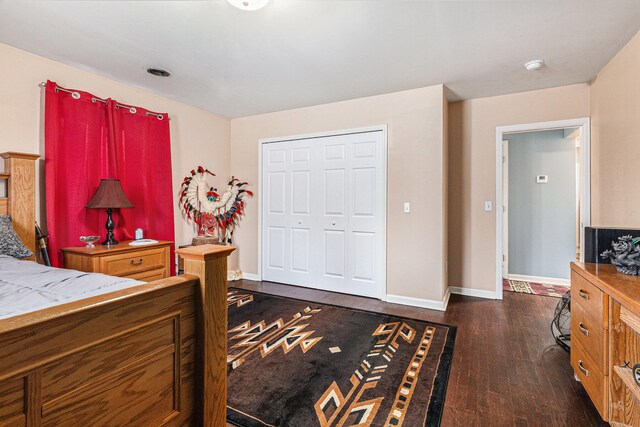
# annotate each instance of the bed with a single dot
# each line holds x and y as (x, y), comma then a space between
(141, 354)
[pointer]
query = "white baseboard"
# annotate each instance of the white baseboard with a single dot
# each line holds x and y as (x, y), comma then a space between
(250, 276)
(419, 302)
(536, 279)
(445, 300)
(469, 292)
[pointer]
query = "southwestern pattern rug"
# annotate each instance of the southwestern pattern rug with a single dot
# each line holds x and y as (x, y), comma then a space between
(300, 363)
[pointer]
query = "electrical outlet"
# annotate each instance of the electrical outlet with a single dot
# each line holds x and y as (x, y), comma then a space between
(488, 206)
(407, 207)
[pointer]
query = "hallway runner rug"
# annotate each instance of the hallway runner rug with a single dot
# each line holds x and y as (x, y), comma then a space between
(523, 287)
(298, 363)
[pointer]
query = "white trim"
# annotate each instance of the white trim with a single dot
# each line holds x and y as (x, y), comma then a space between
(250, 276)
(537, 279)
(338, 132)
(505, 208)
(445, 299)
(383, 220)
(259, 248)
(585, 172)
(478, 293)
(420, 302)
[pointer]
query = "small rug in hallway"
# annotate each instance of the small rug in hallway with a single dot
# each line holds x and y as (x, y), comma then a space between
(522, 287)
(300, 363)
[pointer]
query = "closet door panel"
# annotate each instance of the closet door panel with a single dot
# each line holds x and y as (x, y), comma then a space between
(287, 180)
(323, 219)
(366, 213)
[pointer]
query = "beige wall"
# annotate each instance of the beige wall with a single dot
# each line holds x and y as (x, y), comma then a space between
(419, 171)
(472, 171)
(415, 174)
(197, 136)
(615, 140)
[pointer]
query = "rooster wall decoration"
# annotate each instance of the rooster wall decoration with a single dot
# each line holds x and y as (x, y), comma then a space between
(214, 214)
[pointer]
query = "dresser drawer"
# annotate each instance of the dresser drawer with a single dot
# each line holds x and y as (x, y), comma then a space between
(590, 298)
(590, 335)
(129, 263)
(591, 378)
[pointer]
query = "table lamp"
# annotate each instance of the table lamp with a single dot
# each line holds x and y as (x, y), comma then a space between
(109, 195)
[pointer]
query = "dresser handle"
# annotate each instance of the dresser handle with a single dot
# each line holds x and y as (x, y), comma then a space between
(584, 371)
(583, 294)
(139, 262)
(583, 330)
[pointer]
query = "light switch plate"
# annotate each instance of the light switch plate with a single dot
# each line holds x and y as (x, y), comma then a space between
(407, 207)
(488, 206)
(542, 179)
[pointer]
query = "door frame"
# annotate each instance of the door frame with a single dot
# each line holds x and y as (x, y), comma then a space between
(505, 209)
(382, 258)
(585, 179)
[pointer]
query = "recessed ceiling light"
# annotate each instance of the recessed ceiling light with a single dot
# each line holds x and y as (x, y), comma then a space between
(158, 72)
(534, 65)
(249, 4)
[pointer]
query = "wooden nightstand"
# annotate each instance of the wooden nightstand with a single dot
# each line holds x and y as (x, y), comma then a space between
(146, 263)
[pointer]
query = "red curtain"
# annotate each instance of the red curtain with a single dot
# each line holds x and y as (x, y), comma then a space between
(87, 140)
(142, 149)
(77, 156)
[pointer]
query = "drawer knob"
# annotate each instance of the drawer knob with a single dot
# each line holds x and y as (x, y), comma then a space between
(583, 294)
(139, 262)
(582, 369)
(584, 330)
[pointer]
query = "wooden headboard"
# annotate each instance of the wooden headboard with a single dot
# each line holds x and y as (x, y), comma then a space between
(20, 201)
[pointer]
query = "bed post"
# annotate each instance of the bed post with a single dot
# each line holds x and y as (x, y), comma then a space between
(21, 193)
(209, 262)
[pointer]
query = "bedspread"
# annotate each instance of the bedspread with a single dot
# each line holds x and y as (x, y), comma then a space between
(26, 286)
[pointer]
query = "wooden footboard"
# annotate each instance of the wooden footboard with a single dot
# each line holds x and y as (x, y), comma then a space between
(139, 356)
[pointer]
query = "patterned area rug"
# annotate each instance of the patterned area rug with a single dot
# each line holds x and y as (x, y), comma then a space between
(299, 363)
(522, 287)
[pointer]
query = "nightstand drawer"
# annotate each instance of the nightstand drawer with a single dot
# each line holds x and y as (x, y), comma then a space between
(590, 298)
(590, 334)
(129, 263)
(146, 263)
(149, 276)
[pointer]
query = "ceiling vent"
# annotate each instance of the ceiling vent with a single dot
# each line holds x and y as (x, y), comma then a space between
(158, 72)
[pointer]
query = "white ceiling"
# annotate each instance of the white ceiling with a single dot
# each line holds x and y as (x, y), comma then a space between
(296, 53)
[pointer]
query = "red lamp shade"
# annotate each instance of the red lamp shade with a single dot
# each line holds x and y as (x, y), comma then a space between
(109, 195)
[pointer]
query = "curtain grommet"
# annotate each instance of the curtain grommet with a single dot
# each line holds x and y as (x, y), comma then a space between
(75, 95)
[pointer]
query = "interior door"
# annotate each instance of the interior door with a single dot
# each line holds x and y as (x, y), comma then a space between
(324, 205)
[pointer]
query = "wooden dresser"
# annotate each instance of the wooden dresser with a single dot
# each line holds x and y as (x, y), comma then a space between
(605, 333)
(146, 263)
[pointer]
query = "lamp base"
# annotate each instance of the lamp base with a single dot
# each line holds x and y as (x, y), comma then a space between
(110, 240)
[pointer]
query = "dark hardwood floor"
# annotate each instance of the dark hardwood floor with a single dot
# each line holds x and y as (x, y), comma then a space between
(507, 369)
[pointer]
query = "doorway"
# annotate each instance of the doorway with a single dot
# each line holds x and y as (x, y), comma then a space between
(543, 202)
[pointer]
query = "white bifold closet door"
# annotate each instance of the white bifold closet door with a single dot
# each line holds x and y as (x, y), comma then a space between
(323, 212)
